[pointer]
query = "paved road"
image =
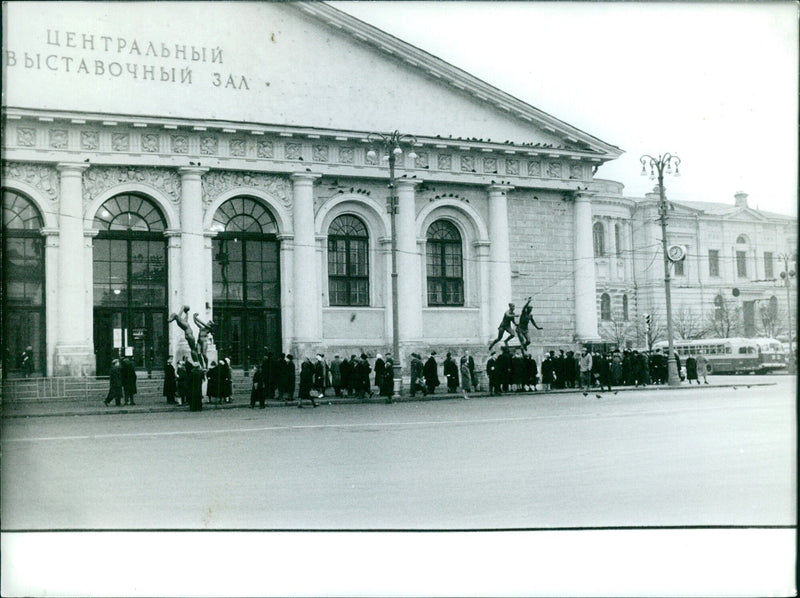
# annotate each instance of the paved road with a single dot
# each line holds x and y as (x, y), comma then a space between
(643, 458)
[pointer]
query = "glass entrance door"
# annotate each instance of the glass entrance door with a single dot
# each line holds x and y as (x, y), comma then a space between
(245, 334)
(137, 334)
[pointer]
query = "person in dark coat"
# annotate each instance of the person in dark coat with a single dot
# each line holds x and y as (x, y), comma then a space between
(363, 370)
(473, 375)
(170, 382)
(518, 371)
(678, 363)
(213, 387)
(616, 368)
(560, 369)
(431, 373)
(380, 370)
(128, 380)
(604, 371)
(306, 383)
(450, 373)
(503, 364)
(336, 375)
(417, 376)
(114, 384)
(532, 371)
(319, 376)
(691, 369)
(196, 377)
(258, 392)
(491, 373)
(286, 377)
(346, 370)
(353, 388)
(225, 380)
(268, 376)
(548, 370)
(387, 382)
(182, 373)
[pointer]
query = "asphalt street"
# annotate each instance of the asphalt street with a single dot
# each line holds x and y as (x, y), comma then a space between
(699, 457)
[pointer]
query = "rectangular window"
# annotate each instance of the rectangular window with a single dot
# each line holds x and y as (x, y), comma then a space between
(713, 262)
(768, 261)
(741, 264)
(679, 268)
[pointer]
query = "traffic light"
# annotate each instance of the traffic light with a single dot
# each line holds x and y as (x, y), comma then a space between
(647, 319)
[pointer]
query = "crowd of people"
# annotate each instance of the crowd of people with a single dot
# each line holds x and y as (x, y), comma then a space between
(278, 378)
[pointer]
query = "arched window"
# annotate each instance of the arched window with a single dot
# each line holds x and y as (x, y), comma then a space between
(130, 282)
(245, 276)
(444, 265)
(23, 280)
(741, 256)
(618, 239)
(605, 307)
(625, 307)
(348, 261)
(598, 235)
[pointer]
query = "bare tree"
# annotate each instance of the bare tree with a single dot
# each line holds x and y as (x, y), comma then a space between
(654, 331)
(724, 318)
(617, 331)
(773, 320)
(688, 324)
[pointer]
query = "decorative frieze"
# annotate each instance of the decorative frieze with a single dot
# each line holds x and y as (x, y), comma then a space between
(264, 149)
(238, 147)
(98, 179)
(209, 146)
(90, 140)
(293, 151)
(179, 144)
(467, 163)
(26, 137)
(444, 161)
(421, 161)
(534, 168)
(43, 178)
(58, 138)
(150, 142)
(216, 183)
(512, 166)
(346, 155)
(120, 142)
(490, 165)
(576, 171)
(554, 170)
(319, 153)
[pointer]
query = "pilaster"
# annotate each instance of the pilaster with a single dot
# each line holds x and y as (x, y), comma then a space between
(499, 252)
(482, 249)
(192, 245)
(51, 248)
(584, 275)
(409, 299)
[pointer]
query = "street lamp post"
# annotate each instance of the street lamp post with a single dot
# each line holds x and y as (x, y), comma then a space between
(392, 144)
(787, 275)
(658, 166)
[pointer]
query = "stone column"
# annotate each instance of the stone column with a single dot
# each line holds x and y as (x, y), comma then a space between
(287, 297)
(306, 301)
(192, 251)
(74, 355)
(409, 300)
(51, 297)
(499, 253)
(174, 286)
(585, 291)
(88, 260)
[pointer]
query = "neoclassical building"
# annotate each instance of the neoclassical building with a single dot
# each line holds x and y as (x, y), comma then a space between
(152, 162)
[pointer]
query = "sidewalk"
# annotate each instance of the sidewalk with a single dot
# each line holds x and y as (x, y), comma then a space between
(151, 404)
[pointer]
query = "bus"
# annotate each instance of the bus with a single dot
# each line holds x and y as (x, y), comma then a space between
(733, 355)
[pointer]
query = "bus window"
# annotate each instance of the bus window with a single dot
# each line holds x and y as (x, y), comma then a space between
(743, 349)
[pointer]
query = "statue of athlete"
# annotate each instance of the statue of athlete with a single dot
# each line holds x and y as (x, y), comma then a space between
(509, 320)
(203, 332)
(525, 318)
(182, 320)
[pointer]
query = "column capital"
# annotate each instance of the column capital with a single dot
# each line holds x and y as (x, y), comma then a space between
(187, 171)
(495, 188)
(49, 232)
(284, 237)
(72, 167)
(305, 177)
(583, 195)
(90, 232)
(407, 182)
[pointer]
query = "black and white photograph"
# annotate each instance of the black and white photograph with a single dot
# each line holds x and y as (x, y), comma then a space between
(416, 298)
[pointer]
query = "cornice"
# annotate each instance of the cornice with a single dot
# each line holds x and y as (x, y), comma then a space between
(455, 77)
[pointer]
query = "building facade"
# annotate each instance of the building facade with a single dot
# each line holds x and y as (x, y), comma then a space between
(151, 163)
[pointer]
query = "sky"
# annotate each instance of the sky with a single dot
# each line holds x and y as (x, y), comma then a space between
(714, 83)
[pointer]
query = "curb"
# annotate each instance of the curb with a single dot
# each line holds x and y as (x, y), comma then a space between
(245, 403)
